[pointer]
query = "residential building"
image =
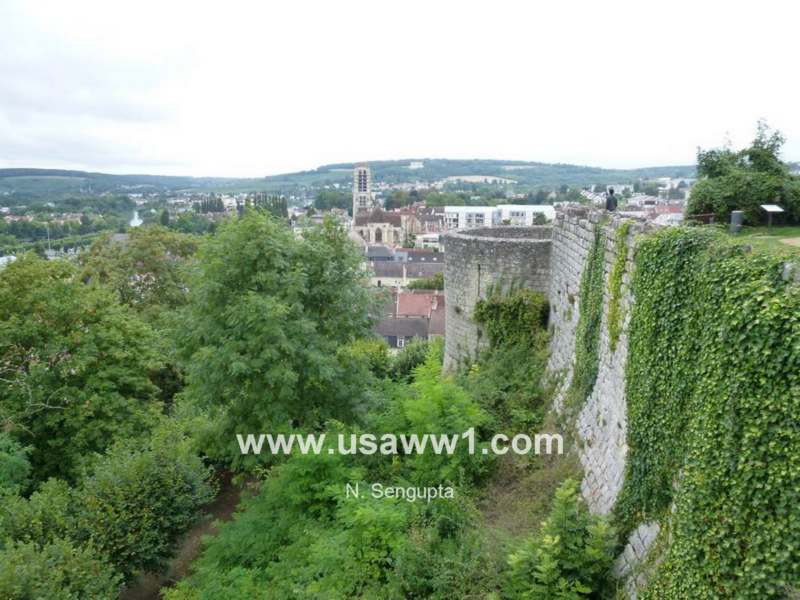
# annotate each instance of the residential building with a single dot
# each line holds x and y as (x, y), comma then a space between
(525, 214)
(400, 274)
(412, 315)
(468, 217)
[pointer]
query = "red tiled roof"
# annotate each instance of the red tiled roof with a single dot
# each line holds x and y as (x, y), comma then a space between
(416, 305)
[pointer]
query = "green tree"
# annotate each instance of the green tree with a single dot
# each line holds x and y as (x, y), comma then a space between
(58, 571)
(147, 270)
(76, 365)
(268, 311)
(15, 468)
(568, 559)
(164, 218)
(435, 282)
(328, 199)
(745, 179)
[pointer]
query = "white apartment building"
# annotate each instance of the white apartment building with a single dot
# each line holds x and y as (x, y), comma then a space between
(524, 214)
(469, 217)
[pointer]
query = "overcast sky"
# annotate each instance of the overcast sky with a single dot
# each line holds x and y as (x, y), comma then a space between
(250, 89)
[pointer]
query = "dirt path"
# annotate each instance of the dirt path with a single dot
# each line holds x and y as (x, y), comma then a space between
(148, 587)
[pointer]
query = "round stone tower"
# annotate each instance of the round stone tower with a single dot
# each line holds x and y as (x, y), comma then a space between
(478, 259)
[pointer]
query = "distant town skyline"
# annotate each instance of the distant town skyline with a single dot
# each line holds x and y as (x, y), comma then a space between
(251, 91)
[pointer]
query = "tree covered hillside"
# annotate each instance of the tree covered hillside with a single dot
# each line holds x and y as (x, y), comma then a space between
(38, 183)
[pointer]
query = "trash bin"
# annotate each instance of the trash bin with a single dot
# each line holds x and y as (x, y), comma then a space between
(737, 218)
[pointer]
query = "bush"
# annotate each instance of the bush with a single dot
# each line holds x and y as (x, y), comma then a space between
(513, 316)
(569, 557)
(137, 502)
(508, 384)
(57, 571)
(15, 469)
(745, 179)
(372, 352)
(508, 380)
(409, 358)
(49, 513)
(435, 282)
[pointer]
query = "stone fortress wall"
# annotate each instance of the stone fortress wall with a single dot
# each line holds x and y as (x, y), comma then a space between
(551, 259)
(478, 259)
(601, 425)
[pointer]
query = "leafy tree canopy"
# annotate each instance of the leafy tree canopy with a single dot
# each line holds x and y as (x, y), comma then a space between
(268, 311)
(745, 179)
(147, 270)
(75, 365)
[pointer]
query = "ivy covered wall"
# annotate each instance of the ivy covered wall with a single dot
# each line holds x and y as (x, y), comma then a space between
(689, 434)
(713, 395)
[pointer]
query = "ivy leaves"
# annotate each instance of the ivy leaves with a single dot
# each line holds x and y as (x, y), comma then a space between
(712, 392)
(587, 336)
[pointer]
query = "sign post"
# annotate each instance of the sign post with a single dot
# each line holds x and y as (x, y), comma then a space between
(771, 210)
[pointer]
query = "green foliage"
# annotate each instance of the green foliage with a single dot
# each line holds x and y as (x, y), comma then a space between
(435, 282)
(587, 335)
(50, 513)
(276, 206)
(615, 316)
(508, 379)
(267, 313)
(57, 571)
(440, 405)
(508, 383)
(568, 559)
(410, 357)
(744, 180)
(301, 537)
(137, 502)
(147, 270)
(75, 366)
(711, 386)
(328, 199)
(15, 468)
(511, 316)
(370, 352)
(131, 508)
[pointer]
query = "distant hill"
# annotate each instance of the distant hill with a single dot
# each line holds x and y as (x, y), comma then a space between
(38, 183)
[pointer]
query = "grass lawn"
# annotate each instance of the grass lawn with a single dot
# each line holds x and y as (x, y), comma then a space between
(782, 238)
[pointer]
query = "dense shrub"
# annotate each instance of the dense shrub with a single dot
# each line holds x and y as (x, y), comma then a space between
(49, 513)
(568, 559)
(302, 537)
(511, 316)
(435, 282)
(372, 353)
(137, 502)
(131, 508)
(508, 380)
(58, 570)
(744, 180)
(15, 468)
(409, 358)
